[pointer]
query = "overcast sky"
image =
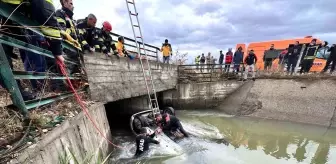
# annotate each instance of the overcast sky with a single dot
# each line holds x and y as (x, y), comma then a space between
(197, 26)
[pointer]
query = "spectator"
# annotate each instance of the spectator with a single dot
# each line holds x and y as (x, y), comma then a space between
(309, 57)
(282, 58)
(221, 59)
(213, 62)
(250, 62)
(202, 62)
(208, 61)
(293, 56)
(120, 48)
(166, 49)
(197, 61)
(86, 29)
(269, 56)
(331, 59)
(238, 59)
(228, 60)
(323, 52)
(102, 39)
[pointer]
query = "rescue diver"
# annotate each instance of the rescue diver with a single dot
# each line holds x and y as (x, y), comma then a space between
(169, 124)
(143, 140)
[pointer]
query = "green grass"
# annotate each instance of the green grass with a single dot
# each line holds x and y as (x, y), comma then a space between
(67, 158)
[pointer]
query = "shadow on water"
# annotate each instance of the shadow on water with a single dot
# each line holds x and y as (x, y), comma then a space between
(249, 141)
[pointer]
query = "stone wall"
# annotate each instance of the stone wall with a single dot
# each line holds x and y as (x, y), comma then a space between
(76, 134)
(113, 78)
(199, 95)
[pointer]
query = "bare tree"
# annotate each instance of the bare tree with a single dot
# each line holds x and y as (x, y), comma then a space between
(179, 58)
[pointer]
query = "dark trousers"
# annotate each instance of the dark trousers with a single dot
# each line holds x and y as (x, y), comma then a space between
(227, 68)
(32, 61)
(306, 65)
(333, 65)
(291, 64)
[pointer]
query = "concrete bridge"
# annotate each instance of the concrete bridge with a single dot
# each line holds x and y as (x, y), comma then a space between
(118, 86)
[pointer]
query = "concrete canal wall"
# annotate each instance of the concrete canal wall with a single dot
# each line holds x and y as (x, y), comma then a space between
(304, 100)
(77, 135)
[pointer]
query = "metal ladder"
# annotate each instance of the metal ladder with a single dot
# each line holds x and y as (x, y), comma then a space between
(147, 73)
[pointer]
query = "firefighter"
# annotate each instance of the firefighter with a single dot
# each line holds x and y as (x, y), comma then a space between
(119, 48)
(102, 39)
(42, 11)
(64, 17)
(86, 29)
(308, 59)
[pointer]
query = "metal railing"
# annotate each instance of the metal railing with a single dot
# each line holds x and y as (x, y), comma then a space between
(11, 79)
(130, 46)
(209, 72)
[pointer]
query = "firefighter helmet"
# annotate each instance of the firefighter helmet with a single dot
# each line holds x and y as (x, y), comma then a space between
(107, 26)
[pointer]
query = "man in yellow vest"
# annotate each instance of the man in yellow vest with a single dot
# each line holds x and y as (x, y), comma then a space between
(197, 61)
(166, 51)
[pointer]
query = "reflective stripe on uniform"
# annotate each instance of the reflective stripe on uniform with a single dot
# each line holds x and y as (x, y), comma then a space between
(97, 46)
(51, 32)
(309, 57)
(84, 42)
(81, 31)
(50, 1)
(14, 2)
(68, 31)
(60, 20)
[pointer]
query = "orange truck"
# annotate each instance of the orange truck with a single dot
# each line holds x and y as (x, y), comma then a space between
(280, 45)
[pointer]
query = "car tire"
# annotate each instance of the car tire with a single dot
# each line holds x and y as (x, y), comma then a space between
(169, 110)
(139, 122)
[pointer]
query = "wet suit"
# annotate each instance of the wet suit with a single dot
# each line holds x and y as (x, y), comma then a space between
(171, 123)
(142, 143)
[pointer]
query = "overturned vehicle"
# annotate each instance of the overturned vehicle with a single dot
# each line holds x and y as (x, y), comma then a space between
(147, 119)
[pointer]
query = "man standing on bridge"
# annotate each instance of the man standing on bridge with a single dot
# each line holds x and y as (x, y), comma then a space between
(269, 56)
(166, 51)
(202, 62)
(250, 61)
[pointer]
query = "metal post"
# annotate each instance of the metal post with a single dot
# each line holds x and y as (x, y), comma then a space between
(7, 76)
(157, 55)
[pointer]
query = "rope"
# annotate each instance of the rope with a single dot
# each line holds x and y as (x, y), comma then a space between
(80, 102)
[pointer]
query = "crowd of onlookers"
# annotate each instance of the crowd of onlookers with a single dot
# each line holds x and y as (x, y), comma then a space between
(296, 55)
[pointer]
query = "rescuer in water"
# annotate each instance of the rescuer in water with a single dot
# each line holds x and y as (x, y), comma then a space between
(143, 140)
(170, 124)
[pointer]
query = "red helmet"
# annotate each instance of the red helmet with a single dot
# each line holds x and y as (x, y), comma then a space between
(107, 26)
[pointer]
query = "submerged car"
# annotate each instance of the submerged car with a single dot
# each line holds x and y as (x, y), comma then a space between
(147, 119)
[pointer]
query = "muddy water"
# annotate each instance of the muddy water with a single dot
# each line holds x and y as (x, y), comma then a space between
(223, 139)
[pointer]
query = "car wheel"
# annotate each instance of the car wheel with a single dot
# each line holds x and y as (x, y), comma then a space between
(137, 124)
(169, 110)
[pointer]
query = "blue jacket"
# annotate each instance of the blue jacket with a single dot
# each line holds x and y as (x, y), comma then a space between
(238, 57)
